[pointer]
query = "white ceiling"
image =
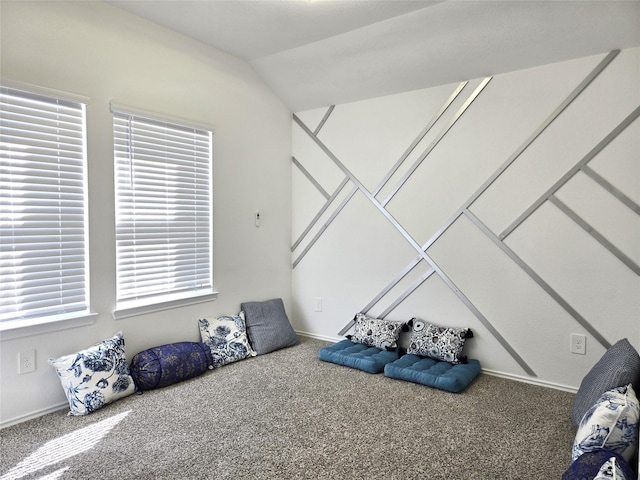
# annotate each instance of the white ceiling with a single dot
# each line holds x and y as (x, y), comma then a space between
(315, 53)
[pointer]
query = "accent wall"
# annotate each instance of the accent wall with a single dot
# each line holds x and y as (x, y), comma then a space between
(507, 204)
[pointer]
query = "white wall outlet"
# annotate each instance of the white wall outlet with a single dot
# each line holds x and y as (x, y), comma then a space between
(578, 343)
(318, 304)
(27, 361)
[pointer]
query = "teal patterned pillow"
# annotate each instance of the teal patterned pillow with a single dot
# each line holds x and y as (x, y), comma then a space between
(96, 376)
(611, 424)
(440, 343)
(226, 336)
(374, 332)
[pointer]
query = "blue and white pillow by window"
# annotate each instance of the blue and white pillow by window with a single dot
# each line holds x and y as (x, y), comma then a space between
(611, 424)
(96, 376)
(226, 336)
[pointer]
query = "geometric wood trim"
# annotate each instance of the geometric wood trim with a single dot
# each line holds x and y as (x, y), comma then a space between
(464, 209)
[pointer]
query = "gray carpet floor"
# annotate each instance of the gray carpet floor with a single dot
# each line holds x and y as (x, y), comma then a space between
(288, 415)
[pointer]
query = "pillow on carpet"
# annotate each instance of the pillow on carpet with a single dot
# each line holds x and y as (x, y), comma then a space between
(226, 336)
(96, 376)
(358, 356)
(588, 465)
(611, 470)
(611, 424)
(168, 364)
(441, 343)
(620, 365)
(268, 326)
(375, 332)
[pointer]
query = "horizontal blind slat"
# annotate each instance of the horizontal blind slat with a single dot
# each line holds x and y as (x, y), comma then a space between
(42, 205)
(163, 207)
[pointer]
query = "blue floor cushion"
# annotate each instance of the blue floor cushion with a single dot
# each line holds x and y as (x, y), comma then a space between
(357, 355)
(433, 373)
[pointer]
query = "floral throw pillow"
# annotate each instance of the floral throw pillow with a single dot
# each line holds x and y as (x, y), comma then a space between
(440, 343)
(611, 424)
(374, 332)
(96, 376)
(226, 336)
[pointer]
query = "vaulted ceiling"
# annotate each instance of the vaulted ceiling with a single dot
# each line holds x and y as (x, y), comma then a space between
(315, 53)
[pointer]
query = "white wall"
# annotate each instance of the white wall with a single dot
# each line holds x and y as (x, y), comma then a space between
(95, 50)
(361, 252)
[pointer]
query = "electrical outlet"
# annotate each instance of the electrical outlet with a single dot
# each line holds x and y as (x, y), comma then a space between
(318, 304)
(26, 361)
(578, 343)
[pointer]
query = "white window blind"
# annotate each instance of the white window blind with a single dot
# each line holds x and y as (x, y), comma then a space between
(163, 210)
(43, 264)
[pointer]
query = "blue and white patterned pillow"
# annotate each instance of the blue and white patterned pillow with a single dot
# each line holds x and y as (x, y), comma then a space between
(611, 423)
(96, 376)
(226, 336)
(440, 343)
(375, 332)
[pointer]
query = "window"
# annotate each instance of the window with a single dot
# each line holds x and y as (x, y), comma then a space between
(163, 211)
(43, 244)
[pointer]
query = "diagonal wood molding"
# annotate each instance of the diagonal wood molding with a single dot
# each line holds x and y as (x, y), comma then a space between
(464, 209)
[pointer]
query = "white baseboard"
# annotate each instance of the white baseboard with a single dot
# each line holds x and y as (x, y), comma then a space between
(32, 415)
(319, 337)
(533, 381)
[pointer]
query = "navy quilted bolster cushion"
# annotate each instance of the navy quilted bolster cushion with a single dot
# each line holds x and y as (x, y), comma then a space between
(433, 373)
(357, 355)
(168, 364)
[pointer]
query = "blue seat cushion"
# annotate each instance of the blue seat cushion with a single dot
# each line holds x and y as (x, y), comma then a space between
(433, 373)
(357, 355)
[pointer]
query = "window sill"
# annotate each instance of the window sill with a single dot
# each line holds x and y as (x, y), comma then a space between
(26, 328)
(135, 310)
